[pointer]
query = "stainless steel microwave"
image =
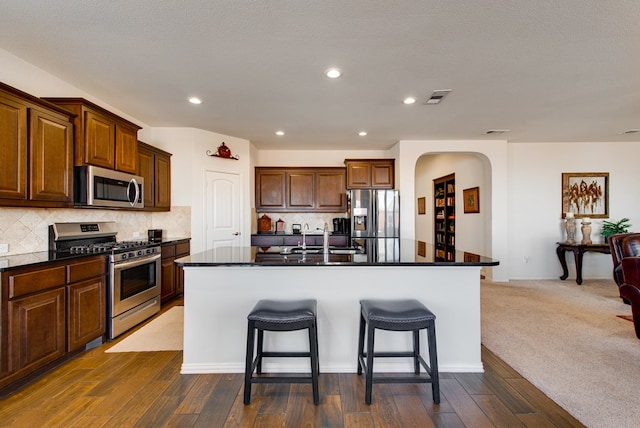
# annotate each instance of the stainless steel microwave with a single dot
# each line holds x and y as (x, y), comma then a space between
(101, 187)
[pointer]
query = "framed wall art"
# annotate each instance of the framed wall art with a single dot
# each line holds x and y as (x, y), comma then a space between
(585, 194)
(422, 205)
(471, 198)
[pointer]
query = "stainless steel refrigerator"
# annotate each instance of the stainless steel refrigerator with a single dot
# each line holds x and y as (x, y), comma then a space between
(375, 223)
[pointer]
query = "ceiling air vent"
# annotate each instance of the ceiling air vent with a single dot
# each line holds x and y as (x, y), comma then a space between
(437, 96)
(631, 131)
(496, 131)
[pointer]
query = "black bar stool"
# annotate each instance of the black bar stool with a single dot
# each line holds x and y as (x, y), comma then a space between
(276, 315)
(398, 315)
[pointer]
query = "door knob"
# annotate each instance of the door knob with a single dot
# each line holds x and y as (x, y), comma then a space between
(237, 233)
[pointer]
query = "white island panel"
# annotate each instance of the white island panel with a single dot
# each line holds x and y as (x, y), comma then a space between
(217, 300)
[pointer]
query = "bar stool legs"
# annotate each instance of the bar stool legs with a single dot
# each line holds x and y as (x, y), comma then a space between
(273, 315)
(397, 315)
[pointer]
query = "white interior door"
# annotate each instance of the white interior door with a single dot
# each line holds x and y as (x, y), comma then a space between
(222, 205)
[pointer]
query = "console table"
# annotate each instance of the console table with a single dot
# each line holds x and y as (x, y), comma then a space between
(578, 251)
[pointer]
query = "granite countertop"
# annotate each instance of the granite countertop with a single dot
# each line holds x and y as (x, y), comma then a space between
(43, 257)
(255, 256)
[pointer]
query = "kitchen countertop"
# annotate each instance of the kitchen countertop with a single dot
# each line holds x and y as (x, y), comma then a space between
(246, 256)
(43, 257)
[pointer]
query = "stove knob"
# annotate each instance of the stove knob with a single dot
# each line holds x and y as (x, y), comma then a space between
(140, 252)
(123, 256)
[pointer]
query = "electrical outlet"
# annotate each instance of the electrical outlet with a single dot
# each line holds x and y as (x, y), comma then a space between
(526, 259)
(136, 234)
(4, 248)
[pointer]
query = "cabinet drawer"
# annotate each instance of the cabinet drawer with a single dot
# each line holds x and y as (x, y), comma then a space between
(32, 282)
(85, 270)
(168, 251)
(183, 249)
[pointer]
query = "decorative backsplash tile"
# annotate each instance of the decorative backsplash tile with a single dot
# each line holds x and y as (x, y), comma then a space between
(26, 230)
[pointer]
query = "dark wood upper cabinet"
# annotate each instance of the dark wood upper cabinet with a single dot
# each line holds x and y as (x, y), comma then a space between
(13, 146)
(331, 190)
(102, 138)
(51, 157)
(154, 165)
(300, 189)
(370, 173)
(270, 189)
(126, 148)
(36, 142)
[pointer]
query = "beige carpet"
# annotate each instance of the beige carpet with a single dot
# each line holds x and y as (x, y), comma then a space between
(569, 342)
(164, 333)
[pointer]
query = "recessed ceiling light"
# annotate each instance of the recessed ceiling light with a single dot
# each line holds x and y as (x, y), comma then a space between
(195, 100)
(333, 73)
(409, 100)
(362, 133)
(280, 133)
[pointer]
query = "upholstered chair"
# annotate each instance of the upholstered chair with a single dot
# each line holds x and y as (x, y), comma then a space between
(630, 288)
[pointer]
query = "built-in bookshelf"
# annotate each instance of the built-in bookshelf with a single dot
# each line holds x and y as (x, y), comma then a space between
(444, 208)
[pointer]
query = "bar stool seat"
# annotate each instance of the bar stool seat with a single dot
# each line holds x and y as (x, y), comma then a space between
(397, 315)
(281, 315)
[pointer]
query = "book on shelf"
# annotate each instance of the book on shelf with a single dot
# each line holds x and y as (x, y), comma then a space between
(451, 188)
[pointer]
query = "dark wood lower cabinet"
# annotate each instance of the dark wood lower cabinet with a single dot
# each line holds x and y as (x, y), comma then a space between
(48, 313)
(36, 326)
(86, 317)
(172, 284)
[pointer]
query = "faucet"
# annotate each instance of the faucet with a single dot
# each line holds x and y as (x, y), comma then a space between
(304, 236)
(325, 239)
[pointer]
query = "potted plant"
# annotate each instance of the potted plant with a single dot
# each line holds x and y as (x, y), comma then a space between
(613, 228)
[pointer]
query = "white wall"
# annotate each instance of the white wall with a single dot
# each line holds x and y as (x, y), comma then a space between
(535, 201)
(495, 153)
(188, 166)
(473, 231)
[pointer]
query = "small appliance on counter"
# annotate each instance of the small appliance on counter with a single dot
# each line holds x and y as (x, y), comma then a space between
(341, 226)
(154, 235)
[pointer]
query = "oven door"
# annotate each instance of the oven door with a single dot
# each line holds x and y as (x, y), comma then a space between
(133, 283)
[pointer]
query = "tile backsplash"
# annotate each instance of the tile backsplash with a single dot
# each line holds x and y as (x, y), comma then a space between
(26, 230)
(315, 221)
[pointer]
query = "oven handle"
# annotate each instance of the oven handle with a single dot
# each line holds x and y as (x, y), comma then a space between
(147, 306)
(136, 262)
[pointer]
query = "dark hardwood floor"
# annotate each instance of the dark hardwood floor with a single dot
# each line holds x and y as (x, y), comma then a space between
(146, 389)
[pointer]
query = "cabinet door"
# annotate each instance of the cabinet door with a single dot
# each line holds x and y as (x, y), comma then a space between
(331, 191)
(301, 187)
(146, 167)
(358, 175)
(162, 181)
(36, 326)
(126, 149)
(99, 140)
(179, 278)
(382, 174)
(13, 146)
(86, 312)
(270, 190)
(51, 159)
(168, 284)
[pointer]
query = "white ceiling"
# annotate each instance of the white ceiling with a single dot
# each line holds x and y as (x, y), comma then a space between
(547, 70)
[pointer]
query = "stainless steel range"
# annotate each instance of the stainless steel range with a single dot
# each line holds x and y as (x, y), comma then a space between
(134, 270)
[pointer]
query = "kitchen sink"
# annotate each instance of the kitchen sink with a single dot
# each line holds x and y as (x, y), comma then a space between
(320, 250)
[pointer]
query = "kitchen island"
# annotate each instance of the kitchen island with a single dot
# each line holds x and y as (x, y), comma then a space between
(222, 286)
